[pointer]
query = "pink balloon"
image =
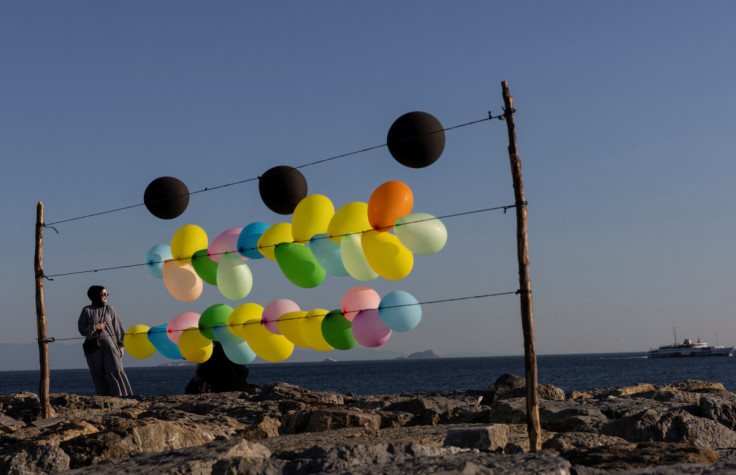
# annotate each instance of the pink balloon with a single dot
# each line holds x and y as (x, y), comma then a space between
(227, 241)
(369, 330)
(274, 310)
(180, 323)
(357, 299)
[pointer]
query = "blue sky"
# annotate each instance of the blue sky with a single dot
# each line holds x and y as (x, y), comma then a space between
(625, 127)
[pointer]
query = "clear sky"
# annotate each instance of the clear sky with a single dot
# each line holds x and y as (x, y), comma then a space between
(624, 120)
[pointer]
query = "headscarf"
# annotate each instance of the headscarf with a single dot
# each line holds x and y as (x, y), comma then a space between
(94, 295)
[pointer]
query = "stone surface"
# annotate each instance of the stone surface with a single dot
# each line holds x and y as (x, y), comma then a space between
(628, 456)
(491, 438)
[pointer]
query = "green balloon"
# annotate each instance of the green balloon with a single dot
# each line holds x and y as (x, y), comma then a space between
(337, 331)
(299, 265)
(217, 314)
(205, 267)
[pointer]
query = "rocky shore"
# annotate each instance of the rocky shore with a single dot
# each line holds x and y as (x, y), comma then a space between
(687, 427)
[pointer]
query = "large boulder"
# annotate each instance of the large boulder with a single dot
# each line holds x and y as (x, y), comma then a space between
(328, 418)
(508, 386)
(720, 408)
(630, 456)
(281, 391)
(40, 459)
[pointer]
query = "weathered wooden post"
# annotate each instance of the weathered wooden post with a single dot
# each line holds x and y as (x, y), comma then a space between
(43, 345)
(525, 289)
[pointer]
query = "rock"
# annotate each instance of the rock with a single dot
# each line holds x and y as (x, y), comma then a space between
(265, 428)
(575, 395)
(568, 416)
(509, 411)
(8, 424)
(491, 438)
(41, 459)
(695, 386)
(324, 419)
(509, 386)
(565, 442)
(629, 456)
(280, 391)
(719, 408)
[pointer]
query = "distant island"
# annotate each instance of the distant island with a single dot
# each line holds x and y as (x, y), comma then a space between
(420, 355)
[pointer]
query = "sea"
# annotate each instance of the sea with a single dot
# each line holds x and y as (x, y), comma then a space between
(581, 371)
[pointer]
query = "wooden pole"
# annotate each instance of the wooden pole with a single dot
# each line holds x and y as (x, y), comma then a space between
(43, 346)
(525, 289)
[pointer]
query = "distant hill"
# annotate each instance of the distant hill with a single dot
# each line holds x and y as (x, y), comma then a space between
(419, 355)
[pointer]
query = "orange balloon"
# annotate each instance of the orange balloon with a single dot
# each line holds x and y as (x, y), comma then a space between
(389, 202)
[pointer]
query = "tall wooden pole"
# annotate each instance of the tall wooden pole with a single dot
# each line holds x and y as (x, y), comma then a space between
(525, 288)
(43, 345)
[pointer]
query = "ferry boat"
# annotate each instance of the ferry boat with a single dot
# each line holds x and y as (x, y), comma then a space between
(688, 348)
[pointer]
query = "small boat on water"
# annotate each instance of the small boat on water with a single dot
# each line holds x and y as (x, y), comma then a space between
(688, 348)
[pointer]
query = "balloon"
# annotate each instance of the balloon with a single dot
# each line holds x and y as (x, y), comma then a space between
(205, 267)
(312, 330)
(225, 242)
(357, 299)
(290, 325)
(350, 218)
(299, 265)
(155, 258)
(242, 314)
(265, 344)
(217, 314)
(236, 349)
(369, 330)
(182, 281)
(311, 216)
(327, 253)
(416, 139)
(386, 255)
(388, 203)
(166, 197)
(248, 240)
(180, 323)
(136, 342)
(159, 338)
(282, 188)
(354, 259)
(273, 236)
(400, 311)
(336, 331)
(421, 233)
(274, 310)
(194, 347)
(186, 241)
(234, 278)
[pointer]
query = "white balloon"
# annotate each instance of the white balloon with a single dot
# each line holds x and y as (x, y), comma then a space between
(234, 278)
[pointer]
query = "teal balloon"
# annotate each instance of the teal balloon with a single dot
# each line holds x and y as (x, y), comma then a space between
(217, 314)
(236, 349)
(248, 240)
(155, 258)
(160, 340)
(400, 311)
(327, 253)
(336, 329)
(205, 267)
(299, 265)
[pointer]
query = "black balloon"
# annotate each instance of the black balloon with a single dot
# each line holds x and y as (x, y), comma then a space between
(416, 139)
(166, 197)
(282, 188)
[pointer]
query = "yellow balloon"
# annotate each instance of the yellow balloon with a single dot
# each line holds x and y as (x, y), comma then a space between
(136, 342)
(276, 234)
(312, 330)
(266, 345)
(351, 218)
(386, 255)
(194, 347)
(290, 325)
(182, 281)
(242, 314)
(353, 258)
(186, 241)
(311, 216)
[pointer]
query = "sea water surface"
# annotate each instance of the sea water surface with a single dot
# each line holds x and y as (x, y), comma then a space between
(412, 375)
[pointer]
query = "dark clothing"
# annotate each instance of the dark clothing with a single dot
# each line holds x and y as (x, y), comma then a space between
(105, 364)
(218, 374)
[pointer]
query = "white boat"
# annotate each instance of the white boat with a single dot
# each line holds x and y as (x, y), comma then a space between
(688, 348)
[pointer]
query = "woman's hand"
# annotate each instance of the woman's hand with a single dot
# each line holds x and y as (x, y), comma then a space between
(122, 350)
(100, 326)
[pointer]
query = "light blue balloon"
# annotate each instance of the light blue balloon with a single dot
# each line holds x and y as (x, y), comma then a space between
(155, 258)
(248, 240)
(236, 349)
(327, 253)
(160, 340)
(400, 311)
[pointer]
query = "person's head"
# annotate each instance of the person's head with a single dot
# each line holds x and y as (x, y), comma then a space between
(98, 295)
